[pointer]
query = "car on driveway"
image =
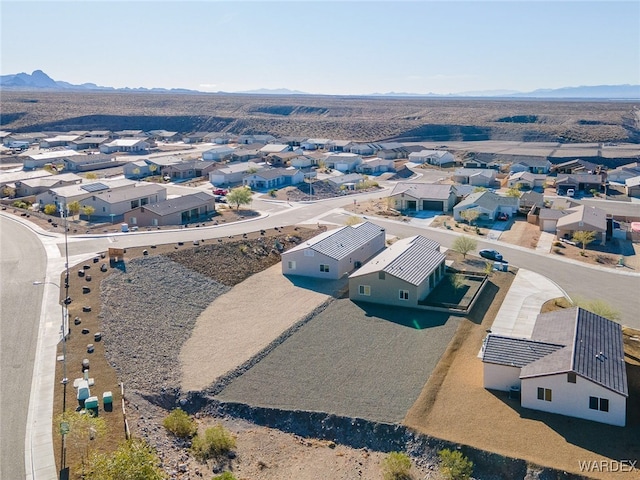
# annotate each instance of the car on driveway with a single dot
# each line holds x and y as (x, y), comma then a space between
(491, 255)
(503, 216)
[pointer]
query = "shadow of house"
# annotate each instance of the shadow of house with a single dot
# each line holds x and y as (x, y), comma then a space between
(417, 319)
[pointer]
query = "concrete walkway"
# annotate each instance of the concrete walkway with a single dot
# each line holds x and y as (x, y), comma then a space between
(521, 306)
(545, 242)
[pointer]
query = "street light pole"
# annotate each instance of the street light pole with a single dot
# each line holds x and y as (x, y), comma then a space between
(65, 380)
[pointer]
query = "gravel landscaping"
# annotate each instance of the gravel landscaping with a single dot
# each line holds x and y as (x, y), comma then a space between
(352, 360)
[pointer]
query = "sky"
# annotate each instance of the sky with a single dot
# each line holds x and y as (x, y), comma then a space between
(325, 47)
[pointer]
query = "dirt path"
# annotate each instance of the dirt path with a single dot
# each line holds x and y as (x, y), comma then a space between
(231, 330)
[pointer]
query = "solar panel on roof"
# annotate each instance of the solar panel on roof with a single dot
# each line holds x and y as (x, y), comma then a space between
(94, 187)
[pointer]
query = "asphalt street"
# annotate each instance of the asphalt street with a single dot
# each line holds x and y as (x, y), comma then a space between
(22, 260)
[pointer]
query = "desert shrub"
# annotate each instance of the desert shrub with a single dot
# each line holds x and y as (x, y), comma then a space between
(134, 459)
(396, 466)
(50, 209)
(20, 204)
(225, 476)
(214, 442)
(273, 192)
(557, 250)
(454, 465)
(180, 424)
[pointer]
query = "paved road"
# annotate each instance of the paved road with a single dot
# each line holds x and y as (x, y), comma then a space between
(22, 260)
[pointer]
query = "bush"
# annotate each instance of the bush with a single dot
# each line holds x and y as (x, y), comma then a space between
(20, 204)
(180, 424)
(273, 192)
(214, 442)
(396, 466)
(454, 465)
(225, 476)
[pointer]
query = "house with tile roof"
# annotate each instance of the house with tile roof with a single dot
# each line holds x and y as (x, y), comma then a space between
(573, 364)
(175, 211)
(416, 196)
(334, 253)
(582, 218)
(402, 275)
(489, 204)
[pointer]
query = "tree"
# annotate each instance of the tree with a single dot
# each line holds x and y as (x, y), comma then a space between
(83, 428)
(457, 281)
(136, 172)
(91, 176)
(239, 196)
(50, 209)
(479, 189)
(396, 466)
(74, 208)
(464, 245)
(584, 238)
(514, 191)
(214, 442)
(133, 460)
(389, 203)
(455, 465)
(180, 423)
(470, 215)
(88, 210)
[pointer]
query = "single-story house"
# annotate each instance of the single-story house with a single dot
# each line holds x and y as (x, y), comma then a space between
(440, 158)
(480, 163)
(11, 178)
(58, 141)
(624, 172)
(489, 204)
(39, 160)
(194, 137)
(526, 180)
(363, 148)
(530, 199)
(175, 211)
(349, 180)
(233, 172)
(334, 253)
(156, 164)
(390, 152)
(101, 133)
(301, 161)
(273, 178)
(275, 148)
(117, 202)
(245, 154)
(402, 275)
(86, 163)
(343, 162)
(132, 145)
(314, 143)
(573, 365)
(582, 218)
(60, 196)
(582, 182)
(188, 169)
(423, 196)
(632, 186)
(86, 143)
(338, 145)
(574, 166)
(136, 170)
(34, 186)
(531, 165)
(129, 134)
(217, 153)
(164, 136)
(281, 159)
(548, 219)
(478, 177)
(249, 139)
(376, 165)
(220, 138)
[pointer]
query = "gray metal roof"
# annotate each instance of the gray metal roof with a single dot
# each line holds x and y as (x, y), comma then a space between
(423, 190)
(180, 204)
(411, 259)
(593, 348)
(340, 243)
(487, 200)
(515, 352)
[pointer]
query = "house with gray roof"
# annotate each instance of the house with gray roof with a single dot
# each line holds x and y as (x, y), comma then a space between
(116, 202)
(416, 196)
(334, 253)
(440, 158)
(632, 186)
(583, 218)
(573, 364)
(402, 275)
(273, 178)
(34, 186)
(175, 211)
(489, 204)
(526, 180)
(479, 177)
(375, 166)
(233, 172)
(531, 164)
(189, 169)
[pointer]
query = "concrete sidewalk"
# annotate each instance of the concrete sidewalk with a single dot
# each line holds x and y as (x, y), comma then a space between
(522, 304)
(545, 242)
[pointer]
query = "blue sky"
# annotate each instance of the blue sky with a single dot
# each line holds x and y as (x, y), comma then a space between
(328, 47)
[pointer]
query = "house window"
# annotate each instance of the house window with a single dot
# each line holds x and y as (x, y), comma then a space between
(544, 394)
(308, 253)
(154, 222)
(135, 203)
(381, 275)
(133, 221)
(404, 294)
(571, 377)
(291, 264)
(601, 404)
(364, 290)
(144, 201)
(324, 268)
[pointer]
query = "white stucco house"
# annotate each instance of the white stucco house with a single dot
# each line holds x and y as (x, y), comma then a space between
(573, 364)
(131, 145)
(334, 253)
(402, 275)
(217, 153)
(489, 204)
(432, 157)
(423, 196)
(343, 162)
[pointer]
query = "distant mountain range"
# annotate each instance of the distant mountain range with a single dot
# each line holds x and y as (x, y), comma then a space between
(39, 80)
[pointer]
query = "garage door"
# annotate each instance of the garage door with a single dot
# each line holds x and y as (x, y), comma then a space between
(432, 205)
